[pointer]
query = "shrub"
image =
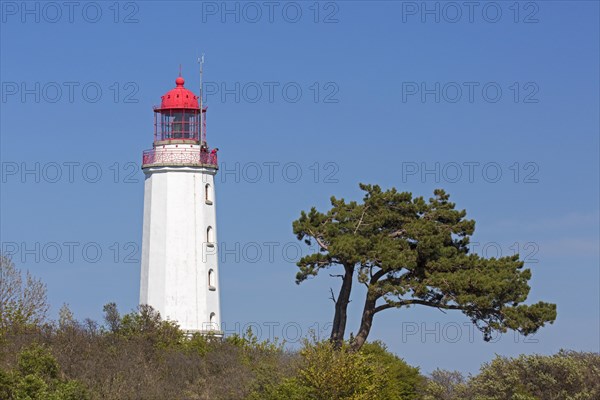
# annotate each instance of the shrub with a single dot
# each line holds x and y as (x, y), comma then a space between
(403, 380)
(566, 375)
(36, 377)
(22, 298)
(327, 373)
(563, 376)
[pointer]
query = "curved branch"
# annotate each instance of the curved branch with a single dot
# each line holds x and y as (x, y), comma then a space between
(398, 304)
(361, 219)
(377, 275)
(318, 240)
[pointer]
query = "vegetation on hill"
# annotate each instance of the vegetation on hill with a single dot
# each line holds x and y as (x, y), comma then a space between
(405, 250)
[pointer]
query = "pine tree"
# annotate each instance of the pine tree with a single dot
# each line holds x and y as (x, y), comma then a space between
(408, 251)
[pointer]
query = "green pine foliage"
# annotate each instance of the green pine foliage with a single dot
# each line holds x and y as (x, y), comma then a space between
(411, 251)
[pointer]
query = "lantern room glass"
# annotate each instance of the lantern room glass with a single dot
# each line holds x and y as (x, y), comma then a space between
(173, 124)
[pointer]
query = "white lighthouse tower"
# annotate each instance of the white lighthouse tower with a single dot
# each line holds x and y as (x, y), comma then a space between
(180, 275)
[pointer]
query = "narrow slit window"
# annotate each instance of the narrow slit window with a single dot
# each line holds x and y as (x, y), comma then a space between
(211, 280)
(209, 235)
(207, 194)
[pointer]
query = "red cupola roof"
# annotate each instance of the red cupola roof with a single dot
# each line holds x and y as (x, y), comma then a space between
(179, 97)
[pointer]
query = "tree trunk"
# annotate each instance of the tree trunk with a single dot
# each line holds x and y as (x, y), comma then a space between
(365, 323)
(341, 308)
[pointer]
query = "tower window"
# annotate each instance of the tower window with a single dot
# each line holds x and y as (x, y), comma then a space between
(213, 322)
(209, 236)
(207, 194)
(211, 280)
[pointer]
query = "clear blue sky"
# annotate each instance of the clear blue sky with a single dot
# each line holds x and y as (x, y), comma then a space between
(366, 122)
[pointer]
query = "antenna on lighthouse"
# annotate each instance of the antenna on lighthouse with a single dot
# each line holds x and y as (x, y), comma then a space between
(202, 132)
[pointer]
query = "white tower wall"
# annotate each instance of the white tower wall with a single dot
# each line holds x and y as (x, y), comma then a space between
(177, 253)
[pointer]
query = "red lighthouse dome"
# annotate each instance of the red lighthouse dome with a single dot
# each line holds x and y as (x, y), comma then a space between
(179, 117)
(179, 97)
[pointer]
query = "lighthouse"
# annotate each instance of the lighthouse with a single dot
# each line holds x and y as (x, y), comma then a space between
(179, 270)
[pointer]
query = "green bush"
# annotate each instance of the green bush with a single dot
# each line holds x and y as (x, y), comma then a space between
(36, 377)
(146, 323)
(404, 380)
(327, 373)
(562, 376)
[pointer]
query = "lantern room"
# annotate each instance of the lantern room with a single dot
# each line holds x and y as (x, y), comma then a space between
(178, 118)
